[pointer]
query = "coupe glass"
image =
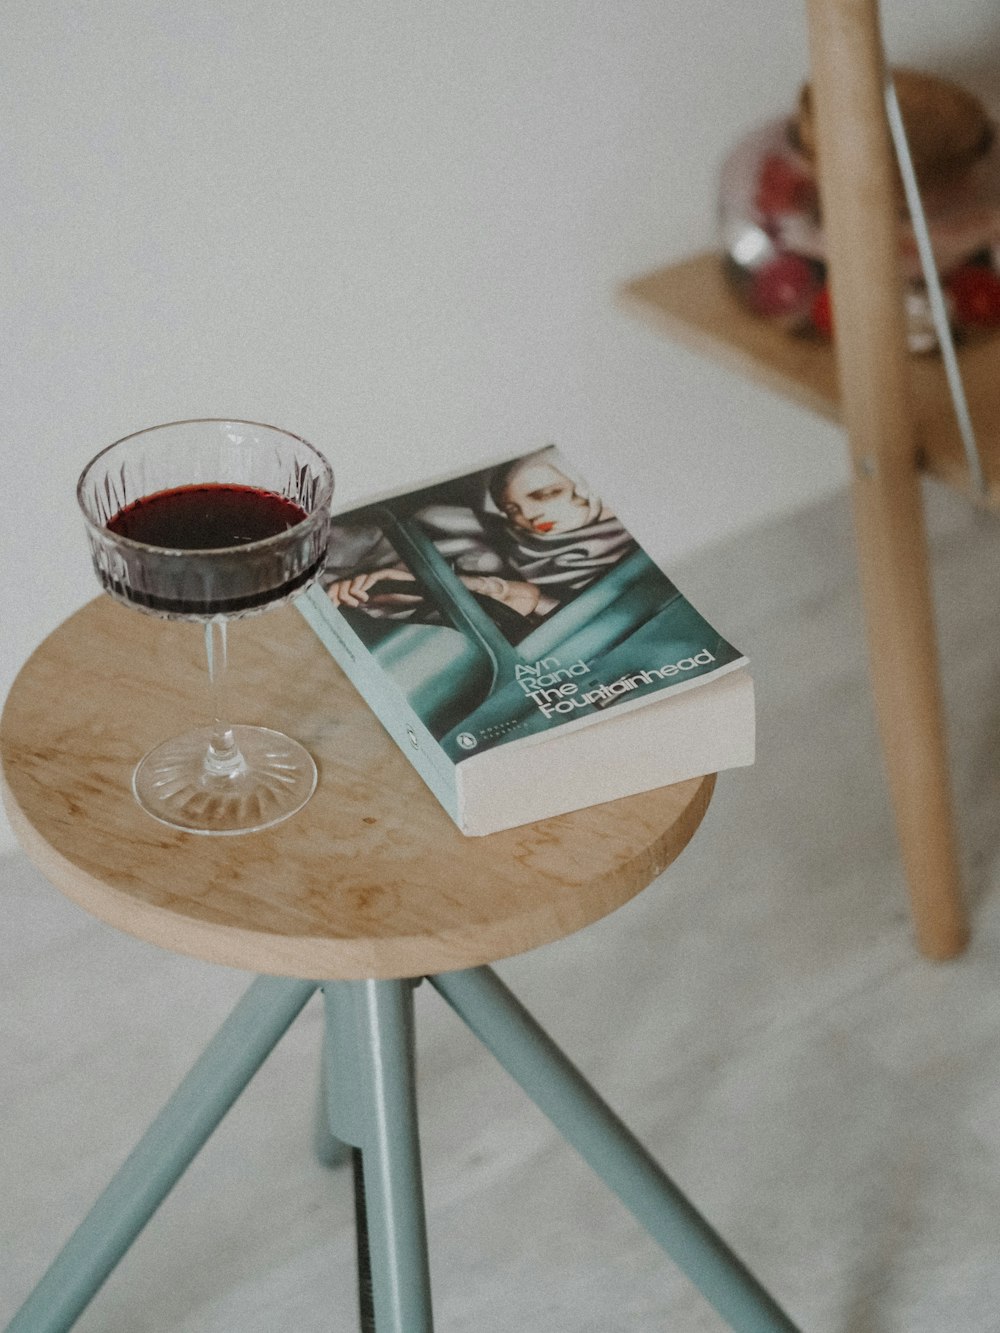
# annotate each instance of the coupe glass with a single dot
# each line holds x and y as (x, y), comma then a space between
(209, 521)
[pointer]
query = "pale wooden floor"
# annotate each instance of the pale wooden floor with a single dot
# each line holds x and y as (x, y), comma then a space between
(759, 1016)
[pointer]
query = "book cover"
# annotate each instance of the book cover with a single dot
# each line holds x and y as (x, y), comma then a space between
(497, 621)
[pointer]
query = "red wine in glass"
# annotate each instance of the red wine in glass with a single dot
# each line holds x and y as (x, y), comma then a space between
(211, 517)
(209, 521)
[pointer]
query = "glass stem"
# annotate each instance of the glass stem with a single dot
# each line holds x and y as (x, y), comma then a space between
(223, 757)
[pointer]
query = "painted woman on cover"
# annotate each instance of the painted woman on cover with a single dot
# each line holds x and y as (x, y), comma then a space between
(540, 536)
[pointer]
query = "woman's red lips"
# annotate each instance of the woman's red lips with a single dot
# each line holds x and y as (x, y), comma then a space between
(544, 527)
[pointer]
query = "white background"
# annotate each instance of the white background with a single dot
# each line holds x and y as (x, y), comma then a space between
(396, 229)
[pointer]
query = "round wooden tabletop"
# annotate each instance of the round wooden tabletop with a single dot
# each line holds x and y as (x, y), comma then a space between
(370, 879)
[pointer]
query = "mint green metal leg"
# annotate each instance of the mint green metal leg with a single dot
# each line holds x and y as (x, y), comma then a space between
(557, 1087)
(370, 1103)
(157, 1162)
(331, 1150)
(376, 1110)
(346, 1121)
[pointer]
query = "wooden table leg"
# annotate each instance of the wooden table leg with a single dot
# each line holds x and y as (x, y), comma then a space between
(860, 218)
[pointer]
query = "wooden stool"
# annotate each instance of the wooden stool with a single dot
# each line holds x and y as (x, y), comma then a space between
(367, 890)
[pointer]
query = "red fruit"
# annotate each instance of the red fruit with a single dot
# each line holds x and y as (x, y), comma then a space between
(821, 312)
(783, 286)
(782, 188)
(975, 292)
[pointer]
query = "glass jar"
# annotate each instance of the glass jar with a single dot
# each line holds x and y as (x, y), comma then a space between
(771, 233)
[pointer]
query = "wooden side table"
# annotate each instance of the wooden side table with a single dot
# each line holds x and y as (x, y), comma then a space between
(364, 893)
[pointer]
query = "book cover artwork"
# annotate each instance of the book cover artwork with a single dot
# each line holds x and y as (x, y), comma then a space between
(510, 604)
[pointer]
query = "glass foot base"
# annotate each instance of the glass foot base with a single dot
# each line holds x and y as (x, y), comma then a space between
(266, 780)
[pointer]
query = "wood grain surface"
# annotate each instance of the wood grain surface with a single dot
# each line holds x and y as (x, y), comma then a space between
(693, 303)
(370, 879)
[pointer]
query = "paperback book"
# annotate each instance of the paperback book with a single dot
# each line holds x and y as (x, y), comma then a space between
(523, 650)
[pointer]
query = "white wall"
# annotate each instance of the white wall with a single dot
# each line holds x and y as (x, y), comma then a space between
(396, 229)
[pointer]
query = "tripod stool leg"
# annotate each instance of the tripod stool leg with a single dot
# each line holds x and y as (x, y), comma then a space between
(530, 1056)
(331, 1150)
(393, 1188)
(159, 1159)
(344, 1120)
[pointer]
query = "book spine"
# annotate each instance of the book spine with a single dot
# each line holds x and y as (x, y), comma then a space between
(383, 697)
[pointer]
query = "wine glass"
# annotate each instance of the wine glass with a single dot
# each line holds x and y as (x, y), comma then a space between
(212, 520)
